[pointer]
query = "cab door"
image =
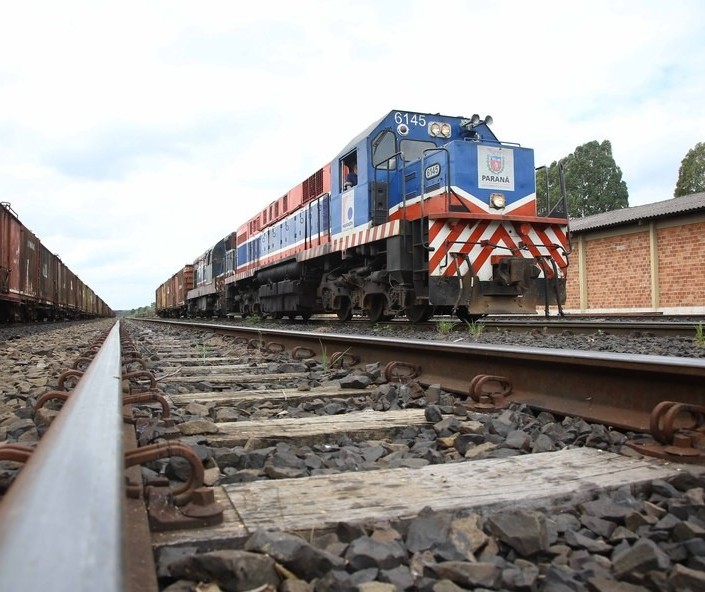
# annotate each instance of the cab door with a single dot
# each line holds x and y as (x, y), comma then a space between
(383, 186)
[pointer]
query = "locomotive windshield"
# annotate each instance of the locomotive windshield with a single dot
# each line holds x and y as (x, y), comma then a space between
(413, 149)
(384, 147)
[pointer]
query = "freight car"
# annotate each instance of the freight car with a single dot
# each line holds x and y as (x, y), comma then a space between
(34, 283)
(420, 214)
(171, 295)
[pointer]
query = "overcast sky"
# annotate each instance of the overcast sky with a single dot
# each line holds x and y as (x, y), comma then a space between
(134, 135)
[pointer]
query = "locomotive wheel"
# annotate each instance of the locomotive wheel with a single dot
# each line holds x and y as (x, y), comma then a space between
(376, 311)
(420, 313)
(345, 311)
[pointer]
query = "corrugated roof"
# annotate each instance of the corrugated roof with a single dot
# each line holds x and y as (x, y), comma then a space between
(661, 209)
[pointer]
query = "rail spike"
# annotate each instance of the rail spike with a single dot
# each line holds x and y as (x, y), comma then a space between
(679, 433)
(197, 503)
(489, 393)
(302, 353)
(16, 452)
(343, 360)
(401, 371)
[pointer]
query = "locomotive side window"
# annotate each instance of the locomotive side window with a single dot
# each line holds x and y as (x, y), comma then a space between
(384, 147)
(348, 171)
(413, 149)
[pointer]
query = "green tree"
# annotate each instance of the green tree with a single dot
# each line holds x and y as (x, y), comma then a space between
(691, 175)
(548, 191)
(592, 178)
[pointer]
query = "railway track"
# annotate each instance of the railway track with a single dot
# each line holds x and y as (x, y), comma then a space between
(659, 326)
(617, 389)
(275, 420)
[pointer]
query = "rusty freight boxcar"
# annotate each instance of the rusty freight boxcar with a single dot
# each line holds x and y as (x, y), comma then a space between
(171, 295)
(34, 283)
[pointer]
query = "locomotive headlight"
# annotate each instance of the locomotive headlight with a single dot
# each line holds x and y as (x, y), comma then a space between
(439, 130)
(497, 201)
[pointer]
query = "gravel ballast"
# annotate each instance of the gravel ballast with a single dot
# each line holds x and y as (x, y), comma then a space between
(628, 540)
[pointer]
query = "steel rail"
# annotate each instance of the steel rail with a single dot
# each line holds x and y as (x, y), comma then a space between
(62, 518)
(551, 326)
(619, 390)
(665, 327)
(554, 325)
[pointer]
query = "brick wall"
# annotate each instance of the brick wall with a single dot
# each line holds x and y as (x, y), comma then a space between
(572, 286)
(681, 261)
(618, 267)
(618, 271)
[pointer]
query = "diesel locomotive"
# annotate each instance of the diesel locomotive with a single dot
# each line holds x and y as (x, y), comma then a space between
(420, 214)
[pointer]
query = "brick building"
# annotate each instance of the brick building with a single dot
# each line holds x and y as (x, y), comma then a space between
(648, 258)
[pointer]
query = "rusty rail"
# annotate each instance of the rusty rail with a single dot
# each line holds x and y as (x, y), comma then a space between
(620, 390)
(575, 324)
(552, 325)
(62, 533)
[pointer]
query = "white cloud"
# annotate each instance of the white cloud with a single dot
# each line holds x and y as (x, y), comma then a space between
(136, 134)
